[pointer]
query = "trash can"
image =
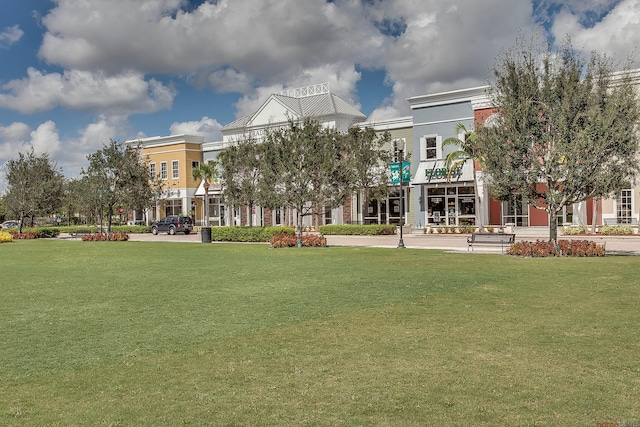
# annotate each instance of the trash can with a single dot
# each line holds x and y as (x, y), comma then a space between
(205, 232)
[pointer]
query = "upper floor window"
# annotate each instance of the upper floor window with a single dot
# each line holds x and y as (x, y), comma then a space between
(164, 172)
(194, 165)
(175, 169)
(430, 147)
(152, 170)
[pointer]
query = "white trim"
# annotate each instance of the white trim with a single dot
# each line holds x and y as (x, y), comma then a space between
(474, 94)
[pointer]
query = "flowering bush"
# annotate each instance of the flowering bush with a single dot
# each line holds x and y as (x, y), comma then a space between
(104, 237)
(616, 230)
(573, 248)
(291, 240)
(574, 230)
(5, 237)
(24, 235)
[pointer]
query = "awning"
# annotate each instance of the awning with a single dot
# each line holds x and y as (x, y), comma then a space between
(214, 188)
(435, 172)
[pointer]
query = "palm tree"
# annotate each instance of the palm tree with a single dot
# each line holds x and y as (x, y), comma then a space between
(206, 172)
(464, 151)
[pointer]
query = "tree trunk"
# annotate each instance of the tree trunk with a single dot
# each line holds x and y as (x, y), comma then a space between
(299, 227)
(553, 225)
(594, 220)
(206, 204)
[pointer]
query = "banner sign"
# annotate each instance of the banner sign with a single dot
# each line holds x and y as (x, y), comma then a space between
(395, 172)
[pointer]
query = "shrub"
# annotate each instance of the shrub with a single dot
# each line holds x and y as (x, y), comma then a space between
(104, 237)
(569, 248)
(24, 235)
(5, 237)
(359, 230)
(490, 229)
(247, 234)
(291, 240)
(616, 230)
(574, 230)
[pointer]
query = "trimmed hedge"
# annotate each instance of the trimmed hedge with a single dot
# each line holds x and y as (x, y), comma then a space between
(358, 230)
(247, 234)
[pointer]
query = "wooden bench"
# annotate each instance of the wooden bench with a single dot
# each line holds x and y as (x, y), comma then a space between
(80, 232)
(490, 239)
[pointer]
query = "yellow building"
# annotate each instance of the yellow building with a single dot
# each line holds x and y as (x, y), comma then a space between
(172, 160)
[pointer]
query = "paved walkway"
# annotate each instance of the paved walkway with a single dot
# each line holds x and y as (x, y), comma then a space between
(629, 245)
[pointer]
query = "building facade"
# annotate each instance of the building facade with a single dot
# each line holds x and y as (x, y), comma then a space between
(435, 196)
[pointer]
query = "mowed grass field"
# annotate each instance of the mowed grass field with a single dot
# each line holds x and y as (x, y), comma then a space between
(166, 334)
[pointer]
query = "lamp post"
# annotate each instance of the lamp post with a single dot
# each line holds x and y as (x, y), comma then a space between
(400, 147)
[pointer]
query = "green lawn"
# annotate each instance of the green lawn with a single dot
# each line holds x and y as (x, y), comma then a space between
(133, 333)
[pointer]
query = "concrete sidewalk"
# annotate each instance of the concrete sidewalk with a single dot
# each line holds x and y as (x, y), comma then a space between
(623, 245)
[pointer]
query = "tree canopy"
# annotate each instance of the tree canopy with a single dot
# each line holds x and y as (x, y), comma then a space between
(564, 130)
(34, 186)
(304, 167)
(118, 176)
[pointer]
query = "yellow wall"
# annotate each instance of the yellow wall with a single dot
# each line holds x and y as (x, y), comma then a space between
(185, 153)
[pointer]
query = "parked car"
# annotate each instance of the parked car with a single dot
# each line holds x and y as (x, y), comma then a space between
(173, 224)
(10, 224)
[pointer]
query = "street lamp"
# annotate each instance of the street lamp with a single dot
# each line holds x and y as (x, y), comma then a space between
(400, 147)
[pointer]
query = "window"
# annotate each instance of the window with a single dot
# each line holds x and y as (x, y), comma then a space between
(194, 165)
(175, 169)
(623, 207)
(516, 212)
(163, 171)
(152, 171)
(173, 207)
(430, 147)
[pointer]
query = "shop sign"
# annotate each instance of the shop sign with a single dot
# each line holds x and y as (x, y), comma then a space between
(441, 173)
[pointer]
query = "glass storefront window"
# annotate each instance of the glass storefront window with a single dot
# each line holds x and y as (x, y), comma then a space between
(516, 212)
(452, 206)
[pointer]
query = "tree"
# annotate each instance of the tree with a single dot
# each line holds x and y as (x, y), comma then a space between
(118, 176)
(367, 163)
(240, 172)
(455, 159)
(34, 186)
(565, 129)
(304, 168)
(206, 172)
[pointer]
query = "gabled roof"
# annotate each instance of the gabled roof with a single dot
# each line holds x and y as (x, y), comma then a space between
(320, 105)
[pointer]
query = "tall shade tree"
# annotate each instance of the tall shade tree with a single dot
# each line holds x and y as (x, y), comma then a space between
(367, 159)
(206, 172)
(304, 169)
(565, 129)
(463, 152)
(240, 173)
(34, 186)
(118, 176)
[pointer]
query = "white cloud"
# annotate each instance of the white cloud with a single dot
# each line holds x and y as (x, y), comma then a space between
(615, 34)
(207, 127)
(10, 36)
(45, 139)
(125, 93)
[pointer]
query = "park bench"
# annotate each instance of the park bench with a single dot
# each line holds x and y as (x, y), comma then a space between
(80, 232)
(490, 239)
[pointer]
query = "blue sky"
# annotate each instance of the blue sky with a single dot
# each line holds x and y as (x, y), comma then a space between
(74, 74)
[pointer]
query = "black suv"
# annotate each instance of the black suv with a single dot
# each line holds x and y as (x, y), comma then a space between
(173, 224)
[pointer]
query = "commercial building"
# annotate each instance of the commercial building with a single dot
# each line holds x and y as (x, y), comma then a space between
(434, 197)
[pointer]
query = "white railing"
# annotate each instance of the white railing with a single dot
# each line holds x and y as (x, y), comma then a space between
(301, 92)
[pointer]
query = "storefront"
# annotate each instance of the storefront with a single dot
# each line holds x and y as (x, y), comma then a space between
(446, 198)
